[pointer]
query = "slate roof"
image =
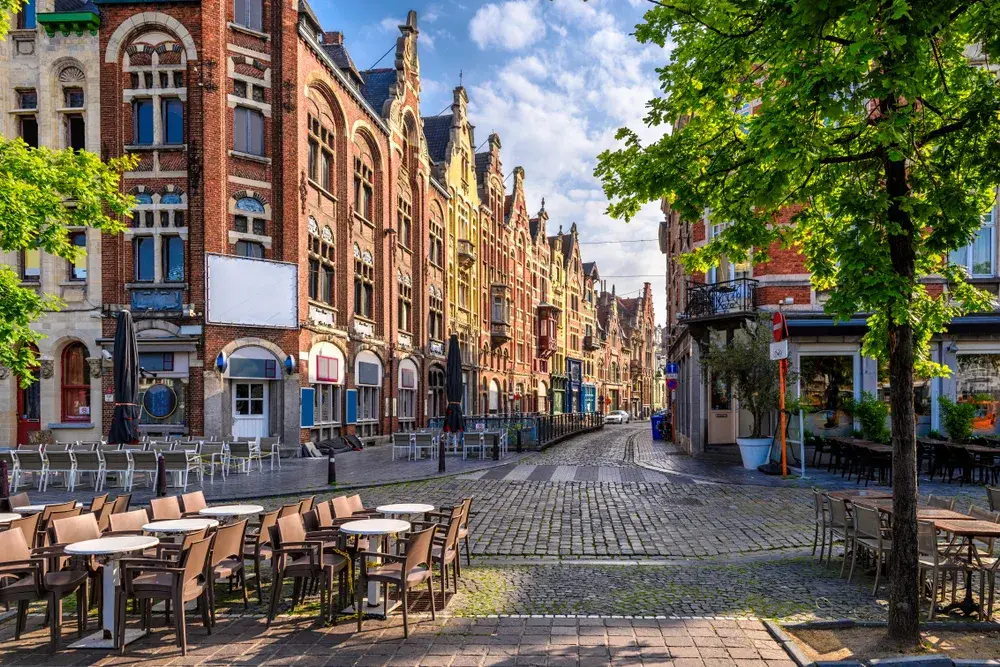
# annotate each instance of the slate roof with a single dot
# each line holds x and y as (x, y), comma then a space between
(62, 6)
(589, 268)
(437, 132)
(342, 59)
(482, 164)
(375, 88)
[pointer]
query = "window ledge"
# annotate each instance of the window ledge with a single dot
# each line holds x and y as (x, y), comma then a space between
(23, 112)
(156, 147)
(249, 31)
(151, 285)
(363, 219)
(64, 425)
(250, 156)
(323, 191)
(73, 283)
(30, 284)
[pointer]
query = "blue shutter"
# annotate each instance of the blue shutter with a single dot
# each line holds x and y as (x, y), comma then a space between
(308, 411)
(352, 407)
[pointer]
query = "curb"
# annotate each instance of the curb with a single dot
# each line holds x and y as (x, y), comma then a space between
(800, 659)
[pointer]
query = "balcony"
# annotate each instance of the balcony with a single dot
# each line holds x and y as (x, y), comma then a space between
(591, 343)
(466, 253)
(499, 333)
(547, 346)
(721, 300)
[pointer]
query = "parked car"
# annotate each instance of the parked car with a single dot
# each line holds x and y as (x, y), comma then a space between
(616, 417)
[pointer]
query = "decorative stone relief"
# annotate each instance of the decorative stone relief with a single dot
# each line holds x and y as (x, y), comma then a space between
(4, 372)
(47, 367)
(95, 367)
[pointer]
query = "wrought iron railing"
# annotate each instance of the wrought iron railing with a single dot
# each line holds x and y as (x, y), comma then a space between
(535, 430)
(731, 296)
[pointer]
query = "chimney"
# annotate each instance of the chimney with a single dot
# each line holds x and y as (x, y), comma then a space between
(333, 38)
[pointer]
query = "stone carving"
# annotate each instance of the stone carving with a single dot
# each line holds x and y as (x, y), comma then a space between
(4, 372)
(47, 367)
(95, 367)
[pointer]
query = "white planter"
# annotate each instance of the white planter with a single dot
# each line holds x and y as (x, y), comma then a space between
(754, 451)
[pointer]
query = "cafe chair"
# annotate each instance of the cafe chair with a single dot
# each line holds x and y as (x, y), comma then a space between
(841, 527)
(121, 503)
(28, 525)
(79, 528)
(257, 547)
(931, 561)
(941, 503)
(18, 500)
(226, 561)
(405, 571)
(871, 536)
(177, 582)
(192, 503)
(445, 551)
(97, 503)
(304, 560)
(164, 509)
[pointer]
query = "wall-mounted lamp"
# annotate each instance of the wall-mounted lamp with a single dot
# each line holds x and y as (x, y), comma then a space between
(289, 365)
(952, 347)
(787, 301)
(221, 362)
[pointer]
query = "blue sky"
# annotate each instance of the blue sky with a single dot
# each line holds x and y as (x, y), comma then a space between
(555, 79)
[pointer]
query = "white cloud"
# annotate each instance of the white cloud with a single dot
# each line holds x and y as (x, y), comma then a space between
(390, 24)
(511, 25)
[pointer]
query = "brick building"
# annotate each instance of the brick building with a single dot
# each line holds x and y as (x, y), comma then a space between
(303, 241)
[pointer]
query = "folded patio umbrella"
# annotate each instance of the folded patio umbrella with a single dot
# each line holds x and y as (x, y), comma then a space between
(454, 421)
(125, 420)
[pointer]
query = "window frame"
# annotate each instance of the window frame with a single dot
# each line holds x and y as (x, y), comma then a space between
(138, 121)
(166, 255)
(247, 18)
(75, 266)
(66, 388)
(166, 103)
(249, 245)
(251, 116)
(138, 242)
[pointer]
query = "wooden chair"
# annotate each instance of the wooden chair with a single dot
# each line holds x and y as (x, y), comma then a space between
(24, 579)
(302, 559)
(257, 546)
(226, 561)
(842, 526)
(820, 512)
(405, 571)
(162, 509)
(941, 503)
(170, 581)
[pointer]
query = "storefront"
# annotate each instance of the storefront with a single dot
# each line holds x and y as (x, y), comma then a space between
(589, 397)
(977, 382)
(326, 378)
(574, 399)
(368, 378)
(408, 390)
(253, 377)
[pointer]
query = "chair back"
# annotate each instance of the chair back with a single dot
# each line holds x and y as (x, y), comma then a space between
(866, 522)
(229, 542)
(355, 503)
(104, 517)
(128, 522)
(144, 461)
(187, 446)
(466, 512)
(927, 544)
(454, 523)
(30, 460)
(58, 447)
(194, 501)
(166, 508)
(57, 507)
(175, 460)
(159, 447)
(341, 507)
(116, 459)
(239, 450)
(424, 439)
(64, 514)
(291, 528)
(838, 513)
(104, 448)
(419, 547)
(121, 503)
(401, 439)
(307, 504)
(324, 515)
(991, 517)
(87, 461)
(13, 547)
(27, 525)
(18, 500)
(941, 503)
(819, 501)
(74, 529)
(195, 559)
(289, 510)
(97, 503)
(993, 495)
(61, 460)
(267, 521)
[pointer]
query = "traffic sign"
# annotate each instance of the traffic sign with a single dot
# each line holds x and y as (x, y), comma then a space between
(672, 368)
(779, 350)
(672, 383)
(779, 328)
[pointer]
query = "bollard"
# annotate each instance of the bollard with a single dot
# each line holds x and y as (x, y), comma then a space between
(518, 441)
(331, 468)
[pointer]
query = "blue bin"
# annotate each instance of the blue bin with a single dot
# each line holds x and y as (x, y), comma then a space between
(655, 421)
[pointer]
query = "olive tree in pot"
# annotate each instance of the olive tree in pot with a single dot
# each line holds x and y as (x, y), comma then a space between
(745, 363)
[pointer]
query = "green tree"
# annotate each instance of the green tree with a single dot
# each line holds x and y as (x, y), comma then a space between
(875, 124)
(42, 193)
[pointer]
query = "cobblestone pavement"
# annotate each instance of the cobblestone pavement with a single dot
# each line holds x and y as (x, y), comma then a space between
(454, 642)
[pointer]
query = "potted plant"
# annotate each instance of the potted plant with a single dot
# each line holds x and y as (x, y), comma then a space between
(745, 363)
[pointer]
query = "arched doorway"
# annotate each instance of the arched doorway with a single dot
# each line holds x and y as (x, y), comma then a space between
(29, 406)
(252, 370)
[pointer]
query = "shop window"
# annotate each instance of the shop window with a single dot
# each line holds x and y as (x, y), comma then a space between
(827, 385)
(156, 361)
(248, 131)
(75, 383)
(173, 259)
(78, 266)
(978, 382)
(143, 250)
(249, 13)
(921, 398)
(172, 117)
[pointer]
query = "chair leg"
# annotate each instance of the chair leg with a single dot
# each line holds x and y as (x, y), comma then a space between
(256, 574)
(206, 619)
(277, 579)
(444, 582)
(406, 628)
(22, 619)
(81, 608)
(243, 581)
(430, 589)
(854, 556)
(878, 570)
(55, 620)
(468, 552)
(180, 625)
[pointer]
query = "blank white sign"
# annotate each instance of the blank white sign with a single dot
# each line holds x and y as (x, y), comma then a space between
(252, 292)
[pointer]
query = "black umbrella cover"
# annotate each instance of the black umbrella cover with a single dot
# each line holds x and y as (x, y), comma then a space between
(125, 420)
(454, 421)
(4, 481)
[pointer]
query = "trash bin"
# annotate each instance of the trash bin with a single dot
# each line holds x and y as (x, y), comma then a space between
(655, 421)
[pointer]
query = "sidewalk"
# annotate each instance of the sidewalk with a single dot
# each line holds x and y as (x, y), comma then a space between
(370, 467)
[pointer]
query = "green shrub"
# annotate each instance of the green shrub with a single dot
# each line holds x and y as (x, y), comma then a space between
(957, 418)
(872, 414)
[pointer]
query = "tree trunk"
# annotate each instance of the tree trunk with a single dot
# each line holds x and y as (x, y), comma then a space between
(904, 606)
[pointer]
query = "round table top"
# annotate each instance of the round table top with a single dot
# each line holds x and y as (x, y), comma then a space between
(179, 525)
(231, 510)
(35, 509)
(7, 517)
(404, 508)
(107, 546)
(375, 527)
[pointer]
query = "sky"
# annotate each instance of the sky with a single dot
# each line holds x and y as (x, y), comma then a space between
(555, 79)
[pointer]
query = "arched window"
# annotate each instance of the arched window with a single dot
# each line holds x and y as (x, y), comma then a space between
(249, 217)
(321, 148)
(75, 383)
(321, 263)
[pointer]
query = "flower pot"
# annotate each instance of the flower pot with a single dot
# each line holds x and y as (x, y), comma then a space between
(754, 451)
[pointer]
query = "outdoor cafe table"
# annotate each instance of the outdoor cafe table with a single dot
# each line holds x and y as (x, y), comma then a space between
(224, 512)
(404, 508)
(924, 512)
(7, 517)
(856, 494)
(373, 528)
(968, 532)
(110, 550)
(180, 526)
